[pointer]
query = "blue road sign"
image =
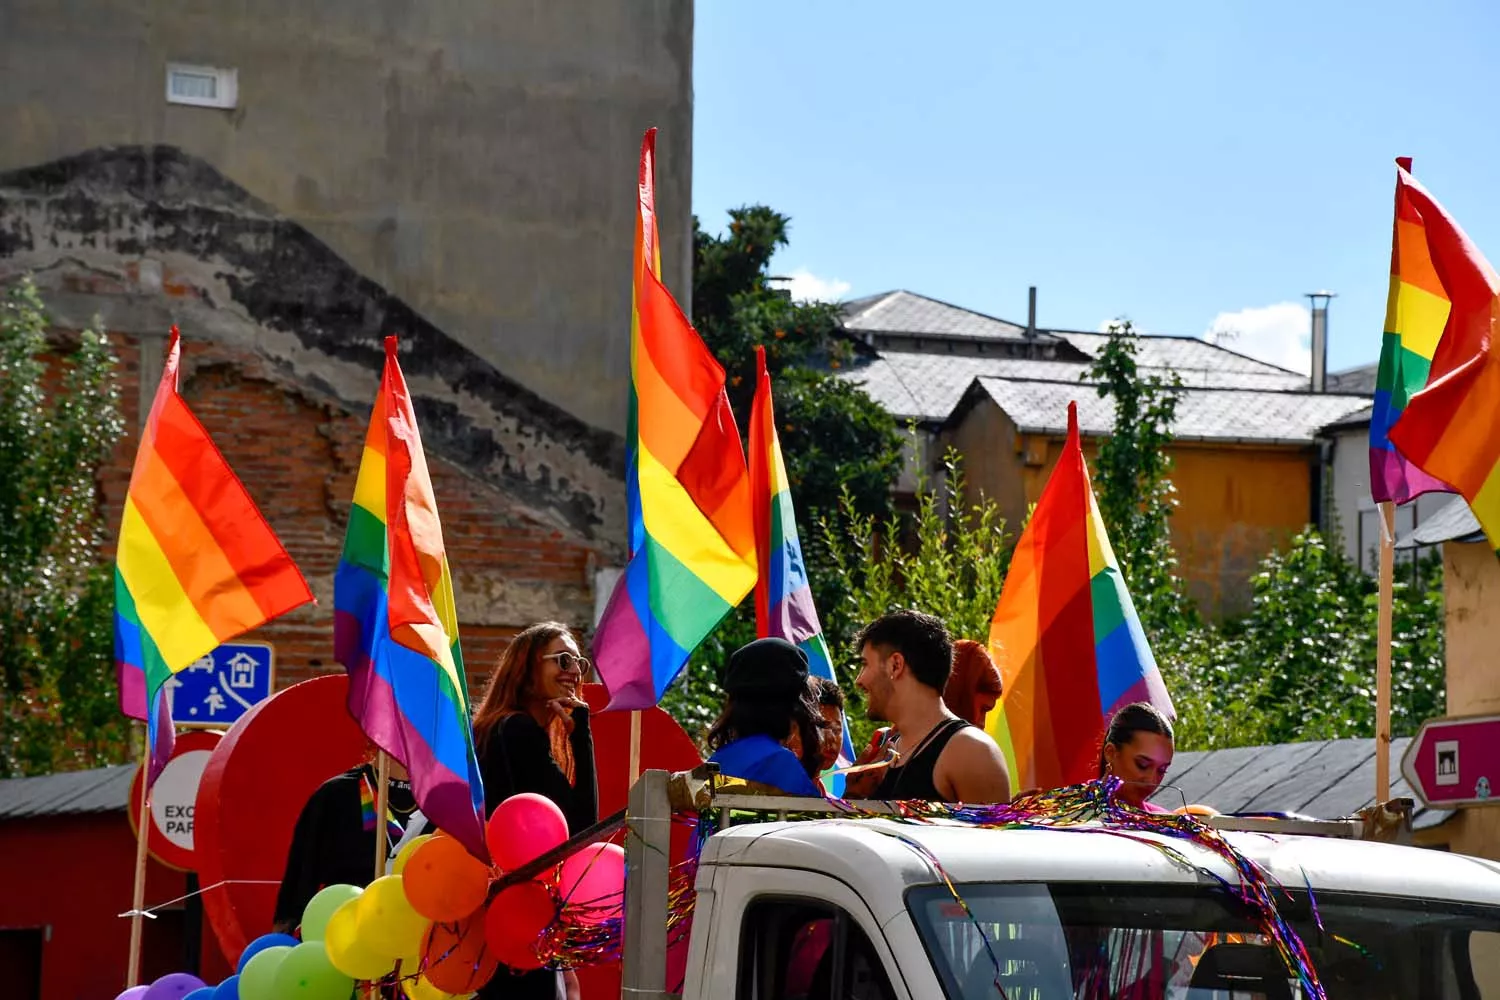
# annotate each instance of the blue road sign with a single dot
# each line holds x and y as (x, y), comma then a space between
(223, 685)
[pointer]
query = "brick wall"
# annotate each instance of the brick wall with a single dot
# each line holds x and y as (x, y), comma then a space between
(298, 455)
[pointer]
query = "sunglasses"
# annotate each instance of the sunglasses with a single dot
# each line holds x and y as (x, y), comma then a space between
(570, 661)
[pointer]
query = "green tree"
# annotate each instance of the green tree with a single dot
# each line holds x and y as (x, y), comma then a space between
(60, 707)
(836, 441)
(1132, 479)
(948, 557)
(833, 436)
(1300, 665)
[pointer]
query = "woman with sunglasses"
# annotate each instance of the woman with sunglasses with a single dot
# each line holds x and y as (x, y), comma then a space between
(531, 733)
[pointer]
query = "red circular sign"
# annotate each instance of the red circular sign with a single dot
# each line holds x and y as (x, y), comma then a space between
(256, 784)
(171, 836)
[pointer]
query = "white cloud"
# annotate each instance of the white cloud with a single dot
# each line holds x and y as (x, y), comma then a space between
(808, 287)
(1278, 334)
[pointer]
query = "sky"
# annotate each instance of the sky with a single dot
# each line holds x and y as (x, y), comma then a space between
(1194, 167)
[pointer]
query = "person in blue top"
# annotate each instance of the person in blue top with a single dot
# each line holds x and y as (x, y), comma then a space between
(770, 729)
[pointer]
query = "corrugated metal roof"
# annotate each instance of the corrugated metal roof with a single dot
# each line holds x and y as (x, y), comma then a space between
(1249, 415)
(1328, 779)
(104, 789)
(915, 385)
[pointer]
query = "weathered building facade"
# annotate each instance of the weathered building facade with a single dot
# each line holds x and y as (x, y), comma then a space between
(459, 175)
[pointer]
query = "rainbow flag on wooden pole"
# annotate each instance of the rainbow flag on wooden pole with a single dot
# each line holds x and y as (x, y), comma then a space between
(1066, 637)
(1416, 311)
(692, 542)
(783, 597)
(196, 565)
(396, 623)
(1437, 396)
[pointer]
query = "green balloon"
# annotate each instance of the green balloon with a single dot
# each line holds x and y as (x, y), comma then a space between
(320, 908)
(258, 980)
(306, 974)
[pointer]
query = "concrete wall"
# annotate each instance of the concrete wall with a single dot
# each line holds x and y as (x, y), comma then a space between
(474, 157)
(1358, 520)
(1471, 593)
(1235, 503)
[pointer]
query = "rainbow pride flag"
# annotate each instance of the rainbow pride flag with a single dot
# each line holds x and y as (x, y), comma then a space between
(783, 598)
(692, 540)
(1066, 637)
(1416, 311)
(1450, 429)
(196, 564)
(396, 624)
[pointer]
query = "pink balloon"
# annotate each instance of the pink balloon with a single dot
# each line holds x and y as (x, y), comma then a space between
(516, 918)
(523, 827)
(592, 883)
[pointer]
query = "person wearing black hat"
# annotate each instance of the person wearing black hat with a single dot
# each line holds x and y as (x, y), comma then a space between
(769, 731)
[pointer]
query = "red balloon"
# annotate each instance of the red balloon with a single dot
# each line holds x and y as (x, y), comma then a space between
(443, 881)
(523, 827)
(592, 883)
(456, 958)
(517, 917)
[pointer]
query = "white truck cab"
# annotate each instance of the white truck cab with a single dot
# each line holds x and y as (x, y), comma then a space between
(857, 909)
(879, 909)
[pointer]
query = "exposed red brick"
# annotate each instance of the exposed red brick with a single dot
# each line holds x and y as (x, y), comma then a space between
(298, 456)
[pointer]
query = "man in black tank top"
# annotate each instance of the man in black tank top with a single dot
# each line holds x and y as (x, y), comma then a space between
(907, 656)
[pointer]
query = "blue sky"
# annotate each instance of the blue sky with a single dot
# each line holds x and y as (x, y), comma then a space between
(1185, 165)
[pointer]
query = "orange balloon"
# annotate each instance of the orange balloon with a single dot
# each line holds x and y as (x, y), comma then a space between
(1197, 810)
(443, 881)
(457, 958)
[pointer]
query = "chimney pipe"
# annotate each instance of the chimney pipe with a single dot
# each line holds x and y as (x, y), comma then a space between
(1320, 300)
(1031, 313)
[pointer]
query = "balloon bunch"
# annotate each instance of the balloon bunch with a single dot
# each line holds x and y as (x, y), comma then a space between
(434, 927)
(181, 986)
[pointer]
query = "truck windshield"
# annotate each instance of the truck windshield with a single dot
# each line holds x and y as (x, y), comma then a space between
(1066, 941)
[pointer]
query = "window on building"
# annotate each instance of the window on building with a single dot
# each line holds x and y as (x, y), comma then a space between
(798, 949)
(202, 86)
(21, 962)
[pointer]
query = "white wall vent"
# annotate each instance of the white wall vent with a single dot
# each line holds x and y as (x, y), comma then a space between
(202, 86)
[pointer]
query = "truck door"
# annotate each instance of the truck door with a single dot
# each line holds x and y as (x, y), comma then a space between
(784, 934)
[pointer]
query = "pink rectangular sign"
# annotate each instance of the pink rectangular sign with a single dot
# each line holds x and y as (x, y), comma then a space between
(1455, 762)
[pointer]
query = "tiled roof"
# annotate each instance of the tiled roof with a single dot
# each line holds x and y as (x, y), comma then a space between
(1249, 415)
(1330, 779)
(103, 789)
(1190, 354)
(923, 386)
(906, 313)
(1359, 380)
(1453, 522)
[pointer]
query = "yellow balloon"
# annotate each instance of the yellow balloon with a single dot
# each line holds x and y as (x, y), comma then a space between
(387, 925)
(407, 851)
(345, 950)
(421, 989)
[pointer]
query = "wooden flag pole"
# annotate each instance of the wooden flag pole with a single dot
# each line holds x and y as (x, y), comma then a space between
(382, 809)
(635, 746)
(138, 897)
(1383, 653)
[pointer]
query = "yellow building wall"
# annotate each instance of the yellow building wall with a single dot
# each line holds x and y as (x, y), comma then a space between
(1235, 503)
(1471, 592)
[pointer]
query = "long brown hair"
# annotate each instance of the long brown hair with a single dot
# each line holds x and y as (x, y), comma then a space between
(509, 689)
